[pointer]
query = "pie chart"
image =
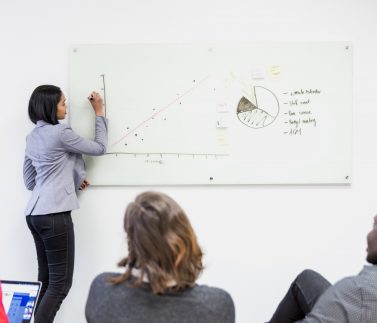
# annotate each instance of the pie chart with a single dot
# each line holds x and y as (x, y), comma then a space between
(260, 111)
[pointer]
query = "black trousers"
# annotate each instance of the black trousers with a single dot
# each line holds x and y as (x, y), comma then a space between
(301, 297)
(54, 240)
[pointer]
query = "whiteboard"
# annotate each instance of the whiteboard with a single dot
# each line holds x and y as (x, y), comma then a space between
(242, 113)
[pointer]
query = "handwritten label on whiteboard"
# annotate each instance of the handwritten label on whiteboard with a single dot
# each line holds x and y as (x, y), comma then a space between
(299, 114)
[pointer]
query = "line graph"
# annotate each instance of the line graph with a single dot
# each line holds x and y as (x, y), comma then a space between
(159, 111)
(140, 127)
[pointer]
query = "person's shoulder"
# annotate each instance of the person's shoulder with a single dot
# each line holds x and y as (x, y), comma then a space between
(104, 278)
(102, 281)
(48, 129)
(62, 126)
(102, 285)
(347, 282)
(216, 300)
(65, 132)
(215, 295)
(347, 288)
(212, 290)
(365, 280)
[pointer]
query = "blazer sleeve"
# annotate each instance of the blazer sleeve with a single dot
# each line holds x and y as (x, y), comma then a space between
(74, 143)
(79, 172)
(29, 174)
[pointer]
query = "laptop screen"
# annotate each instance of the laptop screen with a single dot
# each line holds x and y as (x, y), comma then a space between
(19, 299)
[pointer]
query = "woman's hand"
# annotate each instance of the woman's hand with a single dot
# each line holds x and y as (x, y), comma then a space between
(84, 185)
(96, 102)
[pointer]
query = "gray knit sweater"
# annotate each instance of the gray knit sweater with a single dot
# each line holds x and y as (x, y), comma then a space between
(126, 304)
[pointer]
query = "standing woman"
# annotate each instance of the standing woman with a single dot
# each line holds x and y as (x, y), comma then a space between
(54, 170)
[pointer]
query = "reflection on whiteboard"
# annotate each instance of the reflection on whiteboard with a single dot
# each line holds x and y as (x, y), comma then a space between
(217, 114)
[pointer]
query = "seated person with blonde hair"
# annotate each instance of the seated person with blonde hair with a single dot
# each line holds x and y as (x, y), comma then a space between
(159, 283)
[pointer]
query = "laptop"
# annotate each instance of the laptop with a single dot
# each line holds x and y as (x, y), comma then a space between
(19, 299)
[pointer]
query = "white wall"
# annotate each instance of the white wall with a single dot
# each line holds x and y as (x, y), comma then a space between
(256, 238)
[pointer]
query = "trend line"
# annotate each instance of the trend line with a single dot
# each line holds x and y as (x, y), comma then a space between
(159, 111)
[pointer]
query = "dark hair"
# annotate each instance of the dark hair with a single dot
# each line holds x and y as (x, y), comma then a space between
(161, 244)
(43, 103)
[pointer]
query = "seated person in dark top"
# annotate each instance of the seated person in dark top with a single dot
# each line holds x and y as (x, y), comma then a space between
(164, 261)
(312, 299)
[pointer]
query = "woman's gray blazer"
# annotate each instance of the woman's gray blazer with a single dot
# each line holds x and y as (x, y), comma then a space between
(53, 166)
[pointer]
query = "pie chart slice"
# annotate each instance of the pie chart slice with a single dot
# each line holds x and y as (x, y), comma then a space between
(262, 112)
